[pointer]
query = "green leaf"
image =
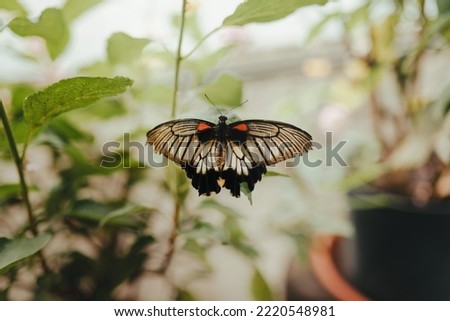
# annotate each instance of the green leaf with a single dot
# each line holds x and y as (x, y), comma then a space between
(192, 245)
(266, 10)
(62, 196)
(19, 93)
(108, 108)
(226, 210)
(225, 91)
(82, 164)
(75, 8)
(184, 295)
(177, 183)
(260, 289)
(14, 251)
(67, 132)
(14, 6)
(94, 212)
(247, 192)
(204, 64)
(443, 5)
(273, 173)
(133, 263)
(359, 16)
(233, 233)
(69, 94)
(8, 191)
(191, 26)
(441, 25)
(98, 68)
(318, 28)
(125, 211)
(198, 229)
(195, 248)
(157, 93)
(19, 127)
(124, 49)
(51, 27)
(371, 201)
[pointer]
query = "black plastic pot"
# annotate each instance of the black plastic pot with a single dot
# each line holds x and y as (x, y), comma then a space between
(402, 252)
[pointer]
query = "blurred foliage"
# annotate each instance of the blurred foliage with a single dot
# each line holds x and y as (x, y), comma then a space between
(86, 236)
(124, 49)
(13, 6)
(260, 289)
(265, 11)
(230, 98)
(51, 27)
(407, 107)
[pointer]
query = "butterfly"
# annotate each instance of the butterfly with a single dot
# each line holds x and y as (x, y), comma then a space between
(216, 156)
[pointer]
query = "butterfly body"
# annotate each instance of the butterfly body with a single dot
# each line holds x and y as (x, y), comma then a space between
(226, 155)
(220, 131)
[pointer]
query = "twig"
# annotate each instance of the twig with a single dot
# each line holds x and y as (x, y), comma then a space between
(23, 185)
(176, 214)
(19, 166)
(201, 42)
(171, 242)
(178, 60)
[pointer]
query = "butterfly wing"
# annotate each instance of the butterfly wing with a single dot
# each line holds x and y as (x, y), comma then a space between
(270, 142)
(178, 140)
(254, 144)
(192, 144)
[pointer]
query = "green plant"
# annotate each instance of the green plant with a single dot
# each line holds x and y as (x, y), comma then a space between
(86, 237)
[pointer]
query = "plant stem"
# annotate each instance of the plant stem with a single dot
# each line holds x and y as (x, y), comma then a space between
(172, 238)
(176, 214)
(201, 42)
(23, 185)
(178, 60)
(19, 166)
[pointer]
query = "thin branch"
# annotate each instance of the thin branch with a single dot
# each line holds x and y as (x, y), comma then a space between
(176, 214)
(178, 60)
(172, 238)
(19, 166)
(201, 42)
(173, 234)
(23, 185)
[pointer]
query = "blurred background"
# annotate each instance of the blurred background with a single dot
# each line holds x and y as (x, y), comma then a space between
(369, 80)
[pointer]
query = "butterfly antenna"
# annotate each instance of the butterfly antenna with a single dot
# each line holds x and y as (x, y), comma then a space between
(231, 109)
(217, 108)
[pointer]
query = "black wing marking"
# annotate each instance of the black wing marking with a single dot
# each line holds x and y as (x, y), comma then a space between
(205, 183)
(270, 142)
(239, 167)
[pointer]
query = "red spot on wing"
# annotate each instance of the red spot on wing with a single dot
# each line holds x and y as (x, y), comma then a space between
(241, 127)
(203, 126)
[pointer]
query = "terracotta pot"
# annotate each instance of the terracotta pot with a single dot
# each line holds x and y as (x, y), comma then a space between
(327, 264)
